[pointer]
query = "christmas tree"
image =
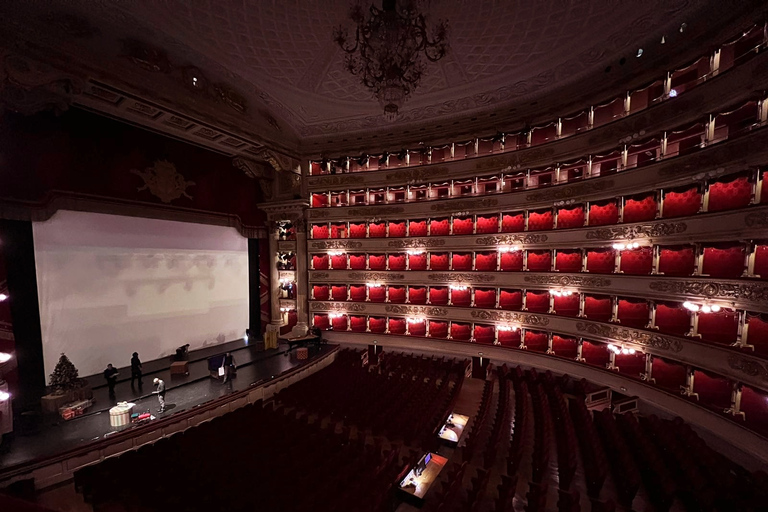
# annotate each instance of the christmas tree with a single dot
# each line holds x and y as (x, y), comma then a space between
(64, 376)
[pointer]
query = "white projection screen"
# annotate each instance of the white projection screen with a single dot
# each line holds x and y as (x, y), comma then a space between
(110, 285)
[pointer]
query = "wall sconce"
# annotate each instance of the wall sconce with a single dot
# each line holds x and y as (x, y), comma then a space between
(459, 287)
(415, 252)
(621, 350)
(4, 357)
(373, 285)
(336, 253)
(629, 245)
(335, 315)
(508, 248)
(414, 320)
(507, 328)
(285, 310)
(561, 292)
(703, 308)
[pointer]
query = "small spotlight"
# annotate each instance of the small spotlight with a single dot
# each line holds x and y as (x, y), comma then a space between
(639, 53)
(663, 40)
(3, 297)
(4, 357)
(4, 396)
(683, 27)
(673, 93)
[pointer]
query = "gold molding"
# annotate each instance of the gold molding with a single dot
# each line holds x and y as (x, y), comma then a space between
(629, 335)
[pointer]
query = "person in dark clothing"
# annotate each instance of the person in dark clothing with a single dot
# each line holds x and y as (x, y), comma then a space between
(229, 366)
(160, 393)
(111, 375)
(135, 369)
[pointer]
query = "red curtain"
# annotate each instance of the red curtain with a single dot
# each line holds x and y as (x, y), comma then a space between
(570, 217)
(597, 308)
(485, 298)
(632, 314)
(485, 261)
(564, 346)
(640, 208)
(461, 298)
(669, 375)
(567, 306)
(720, 327)
(511, 300)
(601, 214)
(682, 202)
(754, 404)
(568, 261)
(757, 333)
(539, 261)
(439, 227)
(377, 230)
(339, 323)
(417, 261)
(438, 261)
(320, 262)
(321, 321)
(631, 365)
(536, 341)
(417, 294)
(485, 334)
(542, 220)
(397, 294)
(320, 231)
(396, 326)
(320, 292)
(713, 390)
(595, 353)
(319, 200)
(438, 329)
(601, 261)
(357, 261)
(357, 323)
(512, 222)
(724, 260)
(509, 338)
(462, 261)
(377, 262)
(637, 261)
(513, 261)
(377, 293)
(677, 260)
(463, 225)
(761, 260)
(729, 195)
(537, 302)
(438, 295)
(672, 319)
(487, 224)
(339, 230)
(397, 262)
(418, 329)
(461, 331)
(357, 292)
(417, 228)
(357, 230)
(339, 262)
(397, 228)
(377, 324)
(339, 292)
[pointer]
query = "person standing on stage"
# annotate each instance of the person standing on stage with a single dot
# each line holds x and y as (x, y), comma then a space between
(229, 367)
(160, 393)
(111, 375)
(135, 369)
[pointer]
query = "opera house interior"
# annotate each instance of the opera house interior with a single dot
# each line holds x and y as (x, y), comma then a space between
(383, 255)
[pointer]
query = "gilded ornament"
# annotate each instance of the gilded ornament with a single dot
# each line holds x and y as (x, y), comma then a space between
(510, 316)
(382, 210)
(511, 239)
(757, 219)
(375, 276)
(416, 175)
(569, 280)
(416, 310)
(163, 181)
(628, 335)
(655, 230)
(337, 306)
(416, 243)
(570, 191)
(748, 366)
(469, 204)
(333, 181)
(337, 244)
(470, 278)
(713, 290)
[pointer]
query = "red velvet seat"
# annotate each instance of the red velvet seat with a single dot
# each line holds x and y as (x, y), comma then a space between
(567, 305)
(637, 261)
(417, 228)
(438, 295)
(640, 208)
(485, 298)
(568, 261)
(512, 222)
(417, 328)
(484, 334)
(572, 217)
(729, 193)
(339, 262)
(754, 404)
(417, 261)
(540, 220)
(438, 329)
(598, 308)
(319, 200)
(320, 292)
(461, 331)
(509, 338)
(396, 326)
(463, 225)
(631, 365)
(339, 292)
(487, 224)
(462, 261)
(357, 230)
(339, 230)
(377, 324)
(721, 327)
(397, 262)
(633, 313)
(377, 293)
(761, 260)
(377, 230)
(672, 319)
(486, 261)
(397, 228)
(714, 391)
(511, 300)
(603, 213)
(536, 341)
(320, 231)
(320, 321)
(564, 346)
(595, 353)
(681, 202)
(677, 260)
(757, 332)
(537, 302)
(320, 262)
(397, 294)
(417, 294)
(357, 261)
(669, 375)
(357, 292)
(439, 227)
(723, 260)
(357, 323)
(511, 261)
(377, 262)
(339, 323)
(601, 261)
(539, 261)
(461, 298)
(439, 261)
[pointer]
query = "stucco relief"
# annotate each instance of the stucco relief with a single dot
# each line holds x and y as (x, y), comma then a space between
(569, 280)
(416, 310)
(628, 335)
(510, 316)
(637, 231)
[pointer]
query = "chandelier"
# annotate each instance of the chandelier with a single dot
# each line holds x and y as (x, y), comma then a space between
(386, 51)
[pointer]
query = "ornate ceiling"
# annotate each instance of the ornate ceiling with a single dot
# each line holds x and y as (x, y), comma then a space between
(271, 69)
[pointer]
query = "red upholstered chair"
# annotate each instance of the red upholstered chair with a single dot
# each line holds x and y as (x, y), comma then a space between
(511, 300)
(486, 261)
(564, 346)
(377, 324)
(601, 261)
(720, 327)
(461, 331)
(319, 200)
(320, 262)
(537, 302)
(320, 292)
(357, 230)
(417, 228)
(678, 203)
(669, 375)
(339, 323)
(539, 261)
(438, 295)
(672, 319)
(339, 230)
(536, 341)
(357, 323)
(631, 365)
(603, 213)
(595, 353)
(357, 261)
(439, 261)
(714, 391)
(339, 292)
(438, 329)
(637, 261)
(377, 262)
(567, 305)
(396, 326)
(417, 294)
(572, 217)
(320, 231)
(598, 308)
(397, 294)
(484, 334)
(512, 222)
(417, 328)
(632, 313)
(463, 225)
(568, 261)
(729, 193)
(339, 262)
(723, 260)
(462, 261)
(397, 228)
(540, 220)
(754, 404)
(417, 261)
(397, 262)
(377, 293)
(321, 321)
(757, 332)
(511, 261)
(293, 319)
(485, 298)
(439, 227)
(377, 230)
(509, 338)
(677, 260)
(357, 292)
(461, 298)
(487, 224)
(640, 208)
(761, 260)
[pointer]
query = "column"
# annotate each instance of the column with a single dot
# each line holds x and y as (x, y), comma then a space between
(549, 344)
(651, 315)
(522, 339)
(525, 258)
(582, 303)
(749, 259)
(741, 335)
(611, 364)
(301, 273)
(693, 331)
(525, 306)
(579, 348)
(735, 408)
(648, 375)
(656, 254)
(699, 259)
(617, 262)
(583, 260)
(687, 389)
(614, 310)
(551, 304)
(274, 277)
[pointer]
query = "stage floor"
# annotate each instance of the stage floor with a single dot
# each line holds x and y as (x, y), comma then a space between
(183, 392)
